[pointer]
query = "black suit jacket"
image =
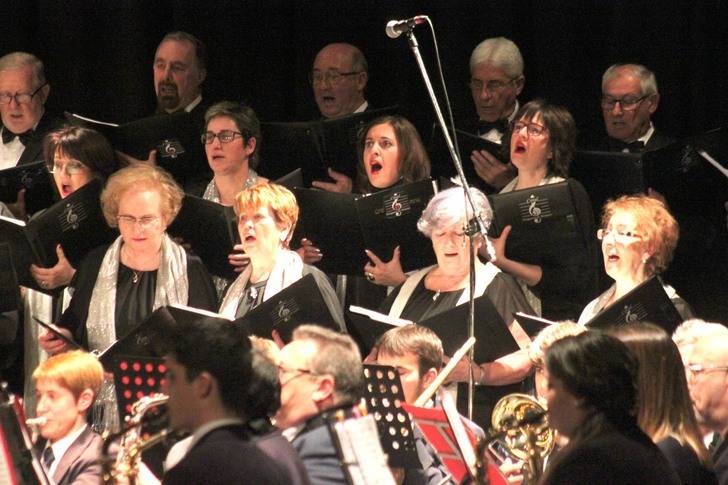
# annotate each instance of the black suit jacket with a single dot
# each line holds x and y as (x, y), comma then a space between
(611, 458)
(720, 459)
(226, 456)
(79, 465)
(602, 142)
(282, 452)
(34, 148)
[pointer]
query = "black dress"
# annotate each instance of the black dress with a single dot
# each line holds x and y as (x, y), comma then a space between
(134, 301)
(506, 296)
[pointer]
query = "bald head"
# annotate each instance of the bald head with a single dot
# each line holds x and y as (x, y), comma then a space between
(339, 77)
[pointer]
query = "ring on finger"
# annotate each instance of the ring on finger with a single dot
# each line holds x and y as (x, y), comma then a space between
(369, 276)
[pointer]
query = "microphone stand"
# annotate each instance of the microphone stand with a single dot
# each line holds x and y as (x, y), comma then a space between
(473, 226)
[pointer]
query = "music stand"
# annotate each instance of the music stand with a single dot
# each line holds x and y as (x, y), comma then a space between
(134, 378)
(384, 398)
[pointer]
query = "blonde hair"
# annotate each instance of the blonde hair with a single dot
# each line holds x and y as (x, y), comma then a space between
(548, 336)
(278, 199)
(75, 371)
(658, 228)
(141, 177)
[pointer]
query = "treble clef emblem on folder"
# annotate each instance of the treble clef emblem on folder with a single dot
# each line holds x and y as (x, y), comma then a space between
(71, 217)
(534, 210)
(629, 315)
(396, 206)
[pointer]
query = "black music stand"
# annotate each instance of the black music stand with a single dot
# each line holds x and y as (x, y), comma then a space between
(134, 378)
(384, 398)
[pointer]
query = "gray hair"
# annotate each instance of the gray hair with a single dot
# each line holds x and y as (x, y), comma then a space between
(690, 331)
(19, 60)
(337, 355)
(449, 206)
(648, 82)
(502, 53)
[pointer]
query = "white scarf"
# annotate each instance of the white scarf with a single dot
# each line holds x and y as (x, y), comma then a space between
(172, 287)
(287, 269)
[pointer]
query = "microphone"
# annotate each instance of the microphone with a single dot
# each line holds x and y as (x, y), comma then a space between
(395, 28)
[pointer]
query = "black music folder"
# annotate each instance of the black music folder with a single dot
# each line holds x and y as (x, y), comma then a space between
(211, 230)
(76, 223)
(314, 146)
(493, 339)
(298, 304)
(690, 183)
(40, 189)
(607, 175)
(342, 226)
(545, 226)
(171, 135)
(467, 143)
(291, 180)
(531, 324)
(647, 302)
(384, 396)
(9, 288)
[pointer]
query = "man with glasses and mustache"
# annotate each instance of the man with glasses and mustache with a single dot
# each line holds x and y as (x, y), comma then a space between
(629, 99)
(496, 80)
(707, 372)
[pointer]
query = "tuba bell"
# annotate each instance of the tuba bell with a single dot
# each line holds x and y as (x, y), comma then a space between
(519, 431)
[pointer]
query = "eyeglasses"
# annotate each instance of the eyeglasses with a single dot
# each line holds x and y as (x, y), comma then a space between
(145, 222)
(491, 86)
(627, 104)
(332, 77)
(282, 370)
(71, 168)
(20, 98)
(620, 235)
(533, 129)
(696, 369)
(225, 136)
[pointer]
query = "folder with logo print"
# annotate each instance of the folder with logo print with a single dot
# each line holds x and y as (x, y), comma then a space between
(76, 223)
(298, 304)
(40, 191)
(648, 302)
(544, 223)
(342, 226)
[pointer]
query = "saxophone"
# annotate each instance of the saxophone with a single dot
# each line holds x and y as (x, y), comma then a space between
(132, 443)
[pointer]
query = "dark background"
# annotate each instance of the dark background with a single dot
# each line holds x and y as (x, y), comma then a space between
(98, 53)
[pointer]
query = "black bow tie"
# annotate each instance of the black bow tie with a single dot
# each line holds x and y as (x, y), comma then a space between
(620, 146)
(9, 136)
(485, 126)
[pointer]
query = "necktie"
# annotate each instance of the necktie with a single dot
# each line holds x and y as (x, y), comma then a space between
(9, 136)
(48, 458)
(485, 126)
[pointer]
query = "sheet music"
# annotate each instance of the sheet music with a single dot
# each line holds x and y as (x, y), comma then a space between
(91, 120)
(361, 452)
(379, 317)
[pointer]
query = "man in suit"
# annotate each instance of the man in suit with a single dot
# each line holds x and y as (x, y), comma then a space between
(66, 385)
(180, 69)
(23, 93)
(209, 372)
(708, 382)
(320, 372)
(629, 99)
(496, 80)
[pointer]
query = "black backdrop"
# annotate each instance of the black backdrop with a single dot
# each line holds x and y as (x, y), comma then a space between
(98, 53)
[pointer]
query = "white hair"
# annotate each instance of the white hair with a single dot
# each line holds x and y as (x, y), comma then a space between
(19, 60)
(500, 52)
(648, 82)
(690, 331)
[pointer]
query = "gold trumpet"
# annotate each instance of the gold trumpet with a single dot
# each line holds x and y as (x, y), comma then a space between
(520, 429)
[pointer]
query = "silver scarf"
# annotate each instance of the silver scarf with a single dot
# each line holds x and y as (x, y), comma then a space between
(172, 287)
